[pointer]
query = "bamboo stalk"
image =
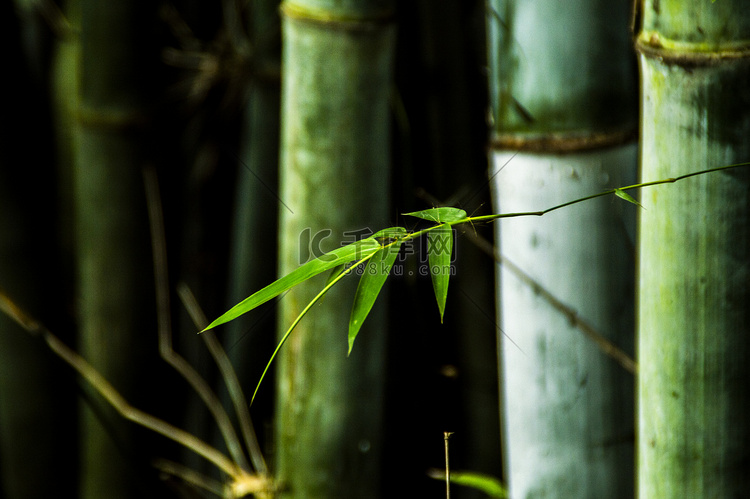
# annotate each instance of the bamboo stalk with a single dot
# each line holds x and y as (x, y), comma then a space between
(567, 103)
(694, 436)
(111, 227)
(337, 59)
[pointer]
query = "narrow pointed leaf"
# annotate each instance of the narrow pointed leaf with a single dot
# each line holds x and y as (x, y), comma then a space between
(327, 261)
(336, 272)
(331, 281)
(440, 247)
(627, 197)
(373, 277)
(440, 215)
(479, 481)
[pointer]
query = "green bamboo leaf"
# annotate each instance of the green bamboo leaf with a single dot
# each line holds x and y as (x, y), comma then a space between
(627, 197)
(440, 215)
(374, 276)
(480, 481)
(389, 233)
(335, 272)
(440, 247)
(332, 259)
(331, 281)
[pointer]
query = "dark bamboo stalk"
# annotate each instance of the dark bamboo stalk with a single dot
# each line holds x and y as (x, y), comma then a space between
(114, 287)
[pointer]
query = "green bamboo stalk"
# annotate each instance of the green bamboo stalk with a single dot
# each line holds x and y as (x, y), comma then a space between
(563, 94)
(63, 69)
(337, 59)
(36, 416)
(694, 434)
(112, 251)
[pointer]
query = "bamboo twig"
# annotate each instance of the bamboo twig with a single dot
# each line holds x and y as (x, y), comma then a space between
(189, 476)
(111, 395)
(575, 320)
(241, 483)
(446, 437)
(229, 376)
(489, 218)
(166, 351)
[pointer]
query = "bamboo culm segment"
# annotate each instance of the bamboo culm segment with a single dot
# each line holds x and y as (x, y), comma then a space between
(563, 88)
(333, 175)
(562, 396)
(693, 314)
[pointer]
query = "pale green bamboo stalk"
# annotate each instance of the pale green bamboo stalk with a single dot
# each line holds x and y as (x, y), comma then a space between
(115, 297)
(563, 93)
(337, 59)
(693, 315)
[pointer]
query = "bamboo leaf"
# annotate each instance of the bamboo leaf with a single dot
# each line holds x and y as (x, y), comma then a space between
(374, 276)
(330, 260)
(390, 233)
(336, 272)
(440, 215)
(627, 197)
(480, 481)
(328, 286)
(440, 247)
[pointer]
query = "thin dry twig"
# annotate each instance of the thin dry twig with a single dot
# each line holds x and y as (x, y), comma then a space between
(241, 481)
(446, 437)
(111, 395)
(229, 376)
(166, 351)
(189, 476)
(217, 352)
(575, 320)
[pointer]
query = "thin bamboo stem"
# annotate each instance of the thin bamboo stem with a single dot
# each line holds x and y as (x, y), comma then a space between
(166, 351)
(189, 476)
(228, 374)
(111, 395)
(488, 218)
(446, 437)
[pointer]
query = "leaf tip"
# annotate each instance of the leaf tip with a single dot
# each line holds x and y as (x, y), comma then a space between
(627, 197)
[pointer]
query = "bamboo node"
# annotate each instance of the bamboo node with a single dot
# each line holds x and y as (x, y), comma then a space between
(653, 46)
(562, 142)
(116, 119)
(337, 21)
